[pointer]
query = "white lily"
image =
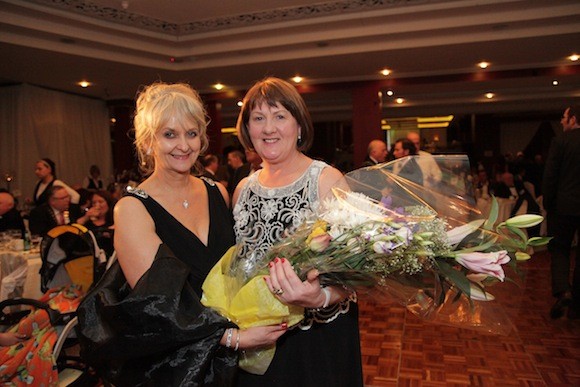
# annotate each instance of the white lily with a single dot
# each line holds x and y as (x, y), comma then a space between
(457, 234)
(524, 221)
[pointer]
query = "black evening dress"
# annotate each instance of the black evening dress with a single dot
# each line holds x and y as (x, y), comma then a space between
(324, 350)
(158, 333)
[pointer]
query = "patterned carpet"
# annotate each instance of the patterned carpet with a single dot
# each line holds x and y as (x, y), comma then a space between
(399, 349)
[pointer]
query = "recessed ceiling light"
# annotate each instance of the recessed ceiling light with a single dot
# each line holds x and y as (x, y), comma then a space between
(574, 57)
(84, 84)
(390, 93)
(218, 86)
(400, 100)
(555, 82)
(240, 103)
(483, 65)
(385, 72)
(489, 95)
(297, 79)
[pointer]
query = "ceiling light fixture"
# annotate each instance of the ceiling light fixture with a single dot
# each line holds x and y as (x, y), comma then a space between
(218, 86)
(574, 57)
(84, 84)
(390, 93)
(385, 72)
(555, 82)
(297, 79)
(489, 95)
(483, 65)
(240, 103)
(400, 100)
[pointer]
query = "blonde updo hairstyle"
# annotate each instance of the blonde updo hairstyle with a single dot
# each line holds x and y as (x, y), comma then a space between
(272, 91)
(156, 104)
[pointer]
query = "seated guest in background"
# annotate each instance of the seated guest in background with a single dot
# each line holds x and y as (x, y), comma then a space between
(239, 168)
(93, 181)
(10, 218)
(504, 186)
(46, 172)
(58, 210)
(376, 153)
(99, 219)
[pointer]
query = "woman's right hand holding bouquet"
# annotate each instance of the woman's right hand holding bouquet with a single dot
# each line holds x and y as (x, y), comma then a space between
(285, 284)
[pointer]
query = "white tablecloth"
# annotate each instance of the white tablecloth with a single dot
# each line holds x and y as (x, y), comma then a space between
(19, 274)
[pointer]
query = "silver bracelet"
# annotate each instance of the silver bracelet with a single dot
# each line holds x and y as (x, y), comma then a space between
(229, 338)
(237, 341)
(327, 297)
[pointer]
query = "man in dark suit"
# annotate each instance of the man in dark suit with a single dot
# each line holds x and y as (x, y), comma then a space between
(561, 190)
(10, 218)
(58, 210)
(376, 153)
(239, 168)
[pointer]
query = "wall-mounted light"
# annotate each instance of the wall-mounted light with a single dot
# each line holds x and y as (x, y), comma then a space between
(483, 65)
(399, 100)
(297, 79)
(240, 103)
(489, 95)
(555, 82)
(385, 72)
(390, 93)
(218, 86)
(574, 57)
(84, 84)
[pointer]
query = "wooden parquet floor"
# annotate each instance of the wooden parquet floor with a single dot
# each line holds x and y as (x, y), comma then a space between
(399, 349)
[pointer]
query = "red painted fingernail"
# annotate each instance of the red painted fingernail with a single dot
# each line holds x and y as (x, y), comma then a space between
(270, 264)
(276, 260)
(284, 325)
(282, 260)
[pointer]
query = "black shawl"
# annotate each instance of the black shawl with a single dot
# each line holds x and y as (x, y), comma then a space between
(157, 333)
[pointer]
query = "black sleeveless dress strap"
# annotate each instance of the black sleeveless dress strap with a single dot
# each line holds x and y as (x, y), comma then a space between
(184, 244)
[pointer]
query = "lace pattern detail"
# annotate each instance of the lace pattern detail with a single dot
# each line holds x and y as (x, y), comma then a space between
(264, 215)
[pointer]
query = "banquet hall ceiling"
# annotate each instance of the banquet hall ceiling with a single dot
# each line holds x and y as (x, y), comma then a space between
(431, 46)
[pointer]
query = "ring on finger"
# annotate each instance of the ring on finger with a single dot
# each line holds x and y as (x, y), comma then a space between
(278, 292)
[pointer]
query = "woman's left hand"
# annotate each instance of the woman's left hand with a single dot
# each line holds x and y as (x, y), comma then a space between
(290, 289)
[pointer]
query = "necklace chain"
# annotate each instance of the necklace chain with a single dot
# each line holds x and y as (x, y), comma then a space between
(185, 204)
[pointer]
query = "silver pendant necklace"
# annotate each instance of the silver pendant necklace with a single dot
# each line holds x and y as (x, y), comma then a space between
(185, 204)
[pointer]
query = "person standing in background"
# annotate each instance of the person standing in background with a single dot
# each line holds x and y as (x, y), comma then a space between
(239, 169)
(376, 153)
(46, 172)
(431, 172)
(561, 191)
(93, 181)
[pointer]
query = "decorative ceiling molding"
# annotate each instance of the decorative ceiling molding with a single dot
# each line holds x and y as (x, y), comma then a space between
(121, 16)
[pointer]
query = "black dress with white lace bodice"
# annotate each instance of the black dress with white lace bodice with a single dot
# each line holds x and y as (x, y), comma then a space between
(324, 350)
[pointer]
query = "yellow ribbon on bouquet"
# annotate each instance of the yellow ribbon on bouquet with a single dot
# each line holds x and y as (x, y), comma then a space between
(250, 305)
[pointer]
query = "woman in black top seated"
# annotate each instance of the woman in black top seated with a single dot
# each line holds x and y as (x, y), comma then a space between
(99, 219)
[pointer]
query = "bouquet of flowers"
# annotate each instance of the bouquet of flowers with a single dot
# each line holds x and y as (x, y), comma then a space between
(388, 236)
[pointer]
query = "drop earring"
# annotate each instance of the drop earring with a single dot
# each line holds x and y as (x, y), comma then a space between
(299, 137)
(148, 152)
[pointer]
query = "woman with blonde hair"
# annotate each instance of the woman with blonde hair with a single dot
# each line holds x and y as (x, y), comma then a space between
(169, 233)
